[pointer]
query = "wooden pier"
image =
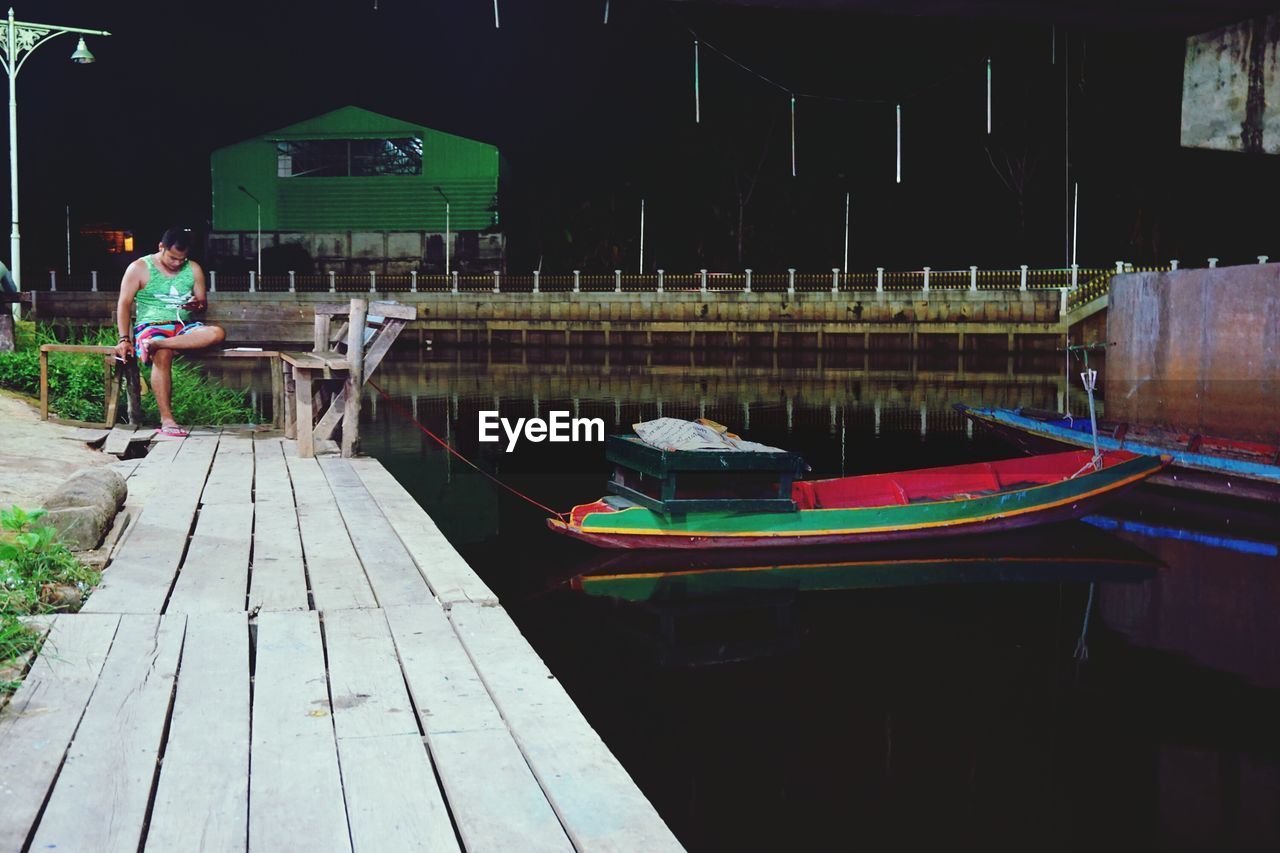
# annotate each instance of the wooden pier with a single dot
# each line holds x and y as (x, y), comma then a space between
(286, 654)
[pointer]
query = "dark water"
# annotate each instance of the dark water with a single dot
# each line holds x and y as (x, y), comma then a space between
(1066, 689)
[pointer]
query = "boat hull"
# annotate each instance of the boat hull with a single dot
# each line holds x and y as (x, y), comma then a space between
(1198, 472)
(639, 528)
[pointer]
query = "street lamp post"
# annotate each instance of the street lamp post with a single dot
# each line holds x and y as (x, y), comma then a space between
(446, 228)
(259, 204)
(20, 38)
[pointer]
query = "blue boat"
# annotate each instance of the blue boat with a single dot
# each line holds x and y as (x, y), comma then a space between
(1242, 469)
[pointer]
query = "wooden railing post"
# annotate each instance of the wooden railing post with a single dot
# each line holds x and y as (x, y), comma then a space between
(703, 286)
(497, 281)
(373, 281)
(213, 280)
(1075, 276)
(577, 281)
(617, 281)
(791, 281)
(1022, 281)
(454, 285)
(746, 282)
(835, 280)
(879, 279)
(536, 273)
(252, 281)
(53, 280)
(659, 281)
(926, 278)
(973, 278)
(413, 281)
(292, 283)
(355, 378)
(93, 279)
(333, 282)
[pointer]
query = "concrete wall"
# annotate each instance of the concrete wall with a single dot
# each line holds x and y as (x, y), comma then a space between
(1231, 88)
(957, 319)
(1197, 350)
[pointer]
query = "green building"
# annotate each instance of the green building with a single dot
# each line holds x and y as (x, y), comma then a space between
(354, 191)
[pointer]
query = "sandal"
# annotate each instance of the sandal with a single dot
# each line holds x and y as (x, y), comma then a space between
(173, 431)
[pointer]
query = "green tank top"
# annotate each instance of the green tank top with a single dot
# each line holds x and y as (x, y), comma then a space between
(161, 299)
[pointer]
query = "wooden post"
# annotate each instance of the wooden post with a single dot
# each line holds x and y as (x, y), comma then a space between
(973, 279)
(252, 280)
(290, 401)
(576, 281)
(93, 277)
(536, 273)
(703, 286)
(292, 283)
(320, 341)
(413, 281)
(879, 279)
(791, 281)
(355, 378)
(1022, 281)
(926, 279)
(213, 281)
(617, 281)
(835, 280)
(659, 281)
(373, 281)
(306, 413)
(333, 282)
(133, 391)
(746, 284)
(44, 384)
(53, 280)
(497, 281)
(277, 394)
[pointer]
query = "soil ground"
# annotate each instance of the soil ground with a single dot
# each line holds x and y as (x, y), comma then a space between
(36, 456)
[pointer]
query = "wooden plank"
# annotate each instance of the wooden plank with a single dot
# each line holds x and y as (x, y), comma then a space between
(393, 800)
(278, 578)
(100, 799)
(202, 798)
(231, 477)
(496, 802)
(295, 791)
(597, 801)
(119, 439)
(306, 420)
(214, 576)
(350, 407)
(139, 578)
(38, 723)
(91, 437)
(448, 575)
(391, 571)
(336, 577)
(316, 360)
(377, 309)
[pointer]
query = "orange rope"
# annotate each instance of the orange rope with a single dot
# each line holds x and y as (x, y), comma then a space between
(402, 410)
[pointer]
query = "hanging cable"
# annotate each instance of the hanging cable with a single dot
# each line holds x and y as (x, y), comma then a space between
(409, 415)
(697, 95)
(793, 136)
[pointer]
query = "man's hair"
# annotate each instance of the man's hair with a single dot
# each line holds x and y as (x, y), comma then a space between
(178, 238)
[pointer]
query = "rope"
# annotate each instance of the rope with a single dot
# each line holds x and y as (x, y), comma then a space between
(409, 416)
(1082, 647)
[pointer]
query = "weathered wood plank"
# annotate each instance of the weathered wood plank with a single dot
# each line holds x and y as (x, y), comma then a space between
(202, 799)
(295, 791)
(139, 578)
(151, 472)
(495, 799)
(337, 579)
(278, 580)
(448, 575)
(231, 477)
(393, 800)
(120, 437)
(391, 571)
(100, 799)
(214, 576)
(38, 723)
(597, 801)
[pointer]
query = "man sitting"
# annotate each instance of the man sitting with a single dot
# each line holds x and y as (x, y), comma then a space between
(165, 287)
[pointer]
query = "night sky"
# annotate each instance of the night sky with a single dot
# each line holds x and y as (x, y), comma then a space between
(592, 118)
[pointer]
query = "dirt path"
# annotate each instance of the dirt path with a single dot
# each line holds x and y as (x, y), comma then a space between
(35, 456)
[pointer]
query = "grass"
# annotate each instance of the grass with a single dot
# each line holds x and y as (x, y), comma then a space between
(32, 563)
(76, 388)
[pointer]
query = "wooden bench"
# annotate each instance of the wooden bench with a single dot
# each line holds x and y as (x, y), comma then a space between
(114, 372)
(311, 413)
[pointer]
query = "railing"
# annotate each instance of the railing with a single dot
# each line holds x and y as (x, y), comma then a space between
(1082, 284)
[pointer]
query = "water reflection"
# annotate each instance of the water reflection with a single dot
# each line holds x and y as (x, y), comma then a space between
(901, 710)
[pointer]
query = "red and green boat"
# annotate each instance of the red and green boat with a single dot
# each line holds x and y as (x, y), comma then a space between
(687, 499)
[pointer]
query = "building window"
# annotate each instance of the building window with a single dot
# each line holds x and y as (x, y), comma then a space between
(341, 158)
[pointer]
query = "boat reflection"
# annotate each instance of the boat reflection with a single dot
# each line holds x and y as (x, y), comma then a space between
(1069, 553)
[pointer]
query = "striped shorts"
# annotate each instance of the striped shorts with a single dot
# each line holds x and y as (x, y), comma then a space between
(143, 331)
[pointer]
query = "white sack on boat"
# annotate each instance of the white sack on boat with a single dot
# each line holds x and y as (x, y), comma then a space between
(677, 434)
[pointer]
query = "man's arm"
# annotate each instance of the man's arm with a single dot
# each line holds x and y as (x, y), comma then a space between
(198, 302)
(129, 286)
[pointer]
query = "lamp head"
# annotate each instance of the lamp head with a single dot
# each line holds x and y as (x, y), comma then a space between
(82, 56)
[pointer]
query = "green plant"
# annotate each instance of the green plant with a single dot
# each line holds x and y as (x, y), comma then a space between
(33, 563)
